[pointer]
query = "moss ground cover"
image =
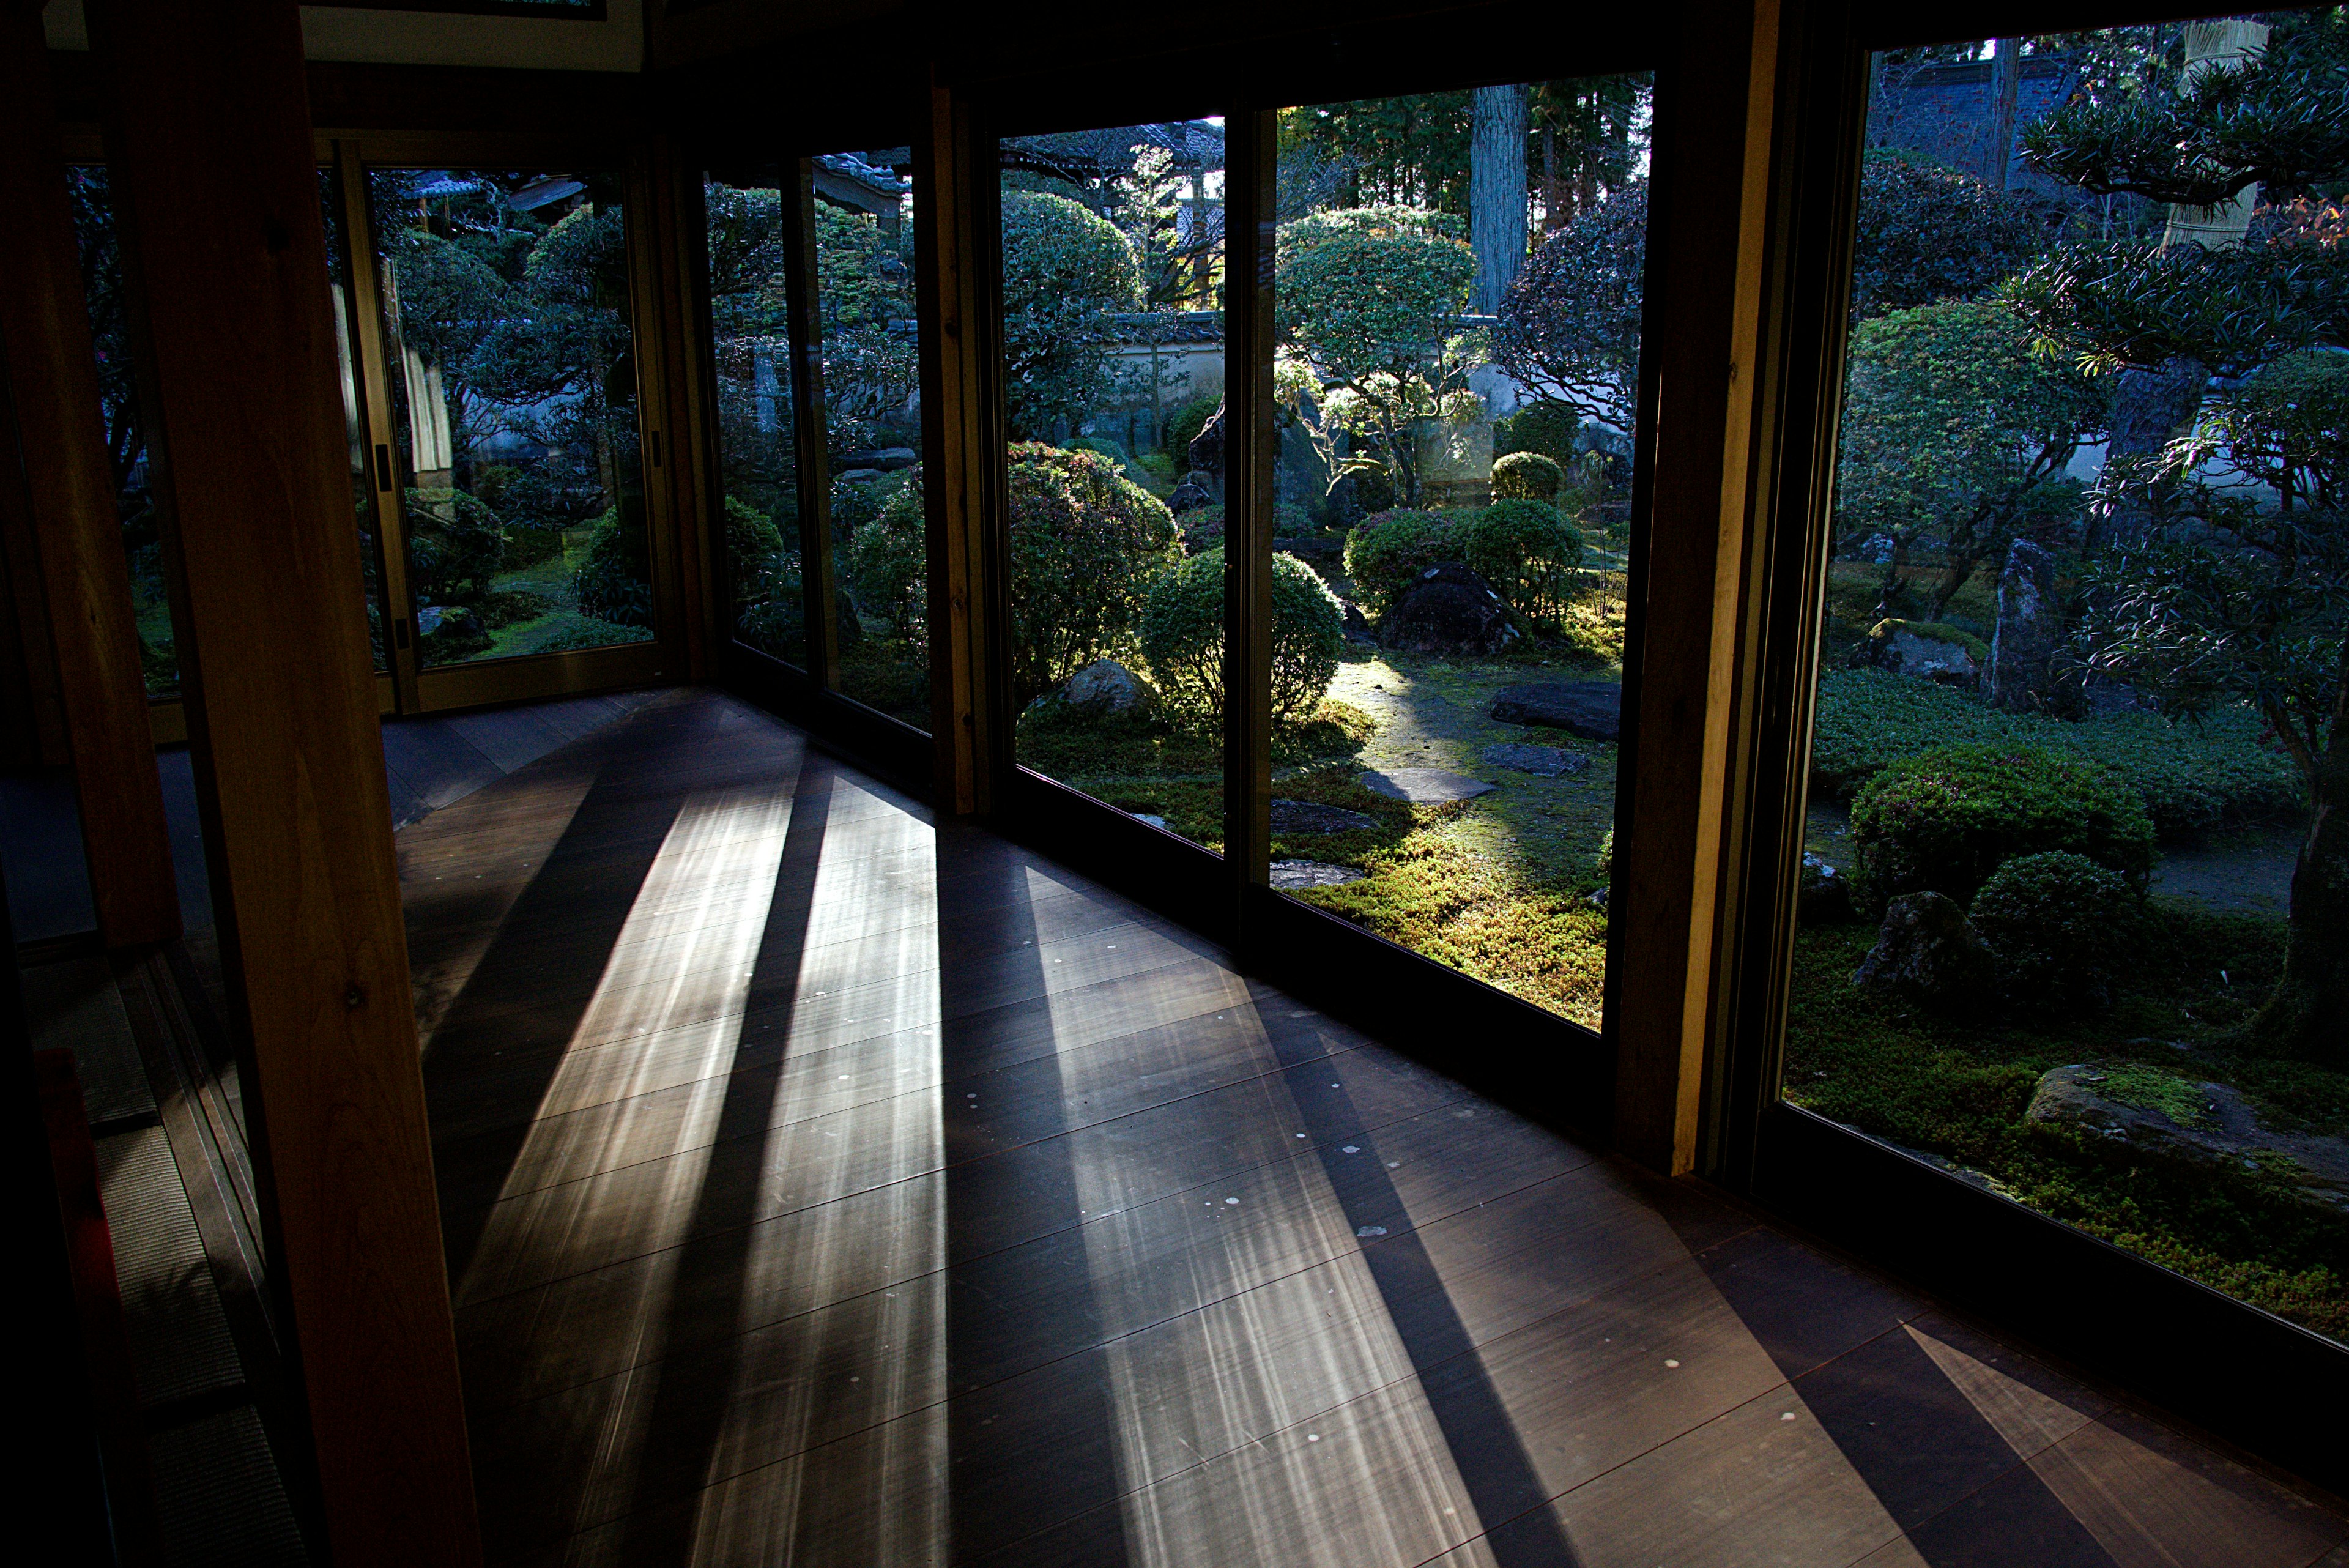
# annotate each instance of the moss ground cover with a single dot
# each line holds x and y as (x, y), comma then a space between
(2194, 776)
(1959, 1091)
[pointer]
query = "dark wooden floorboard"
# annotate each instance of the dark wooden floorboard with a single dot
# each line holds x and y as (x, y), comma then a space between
(824, 1186)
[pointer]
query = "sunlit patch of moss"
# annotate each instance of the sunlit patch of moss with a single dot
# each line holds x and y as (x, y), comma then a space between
(1960, 1090)
(2151, 1089)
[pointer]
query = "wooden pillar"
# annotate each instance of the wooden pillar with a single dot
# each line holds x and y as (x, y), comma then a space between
(225, 257)
(953, 227)
(1707, 326)
(1252, 451)
(68, 500)
(804, 298)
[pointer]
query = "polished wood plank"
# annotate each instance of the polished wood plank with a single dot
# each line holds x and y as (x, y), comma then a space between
(833, 1187)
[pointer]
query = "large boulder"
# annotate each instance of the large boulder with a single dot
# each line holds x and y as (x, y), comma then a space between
(1105, 686)
(1926, 651)
(1449, 609)
(1928, 952)
(1189, 496)
(2030, 624)
(1591, 709)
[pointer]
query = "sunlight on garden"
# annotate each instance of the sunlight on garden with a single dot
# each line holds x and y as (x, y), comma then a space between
(2076, 900)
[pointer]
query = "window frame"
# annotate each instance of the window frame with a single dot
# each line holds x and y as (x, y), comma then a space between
(2250, 1378)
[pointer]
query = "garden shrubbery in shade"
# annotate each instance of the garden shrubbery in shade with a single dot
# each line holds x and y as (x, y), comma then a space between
(887, 558)
(1183, 638)
(1183, 428)
(1087, 544)
(1943, 820)
(1526, 550)
(769, 612)
(1202, 527)
(455, 546)
(615, 580)
(2193, 775)
(1526, 476)
(2055, 920)
(1385, 552)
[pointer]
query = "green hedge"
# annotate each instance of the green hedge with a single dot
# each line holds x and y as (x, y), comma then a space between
(1183, 638)
(1942, 820)
(2192, 776)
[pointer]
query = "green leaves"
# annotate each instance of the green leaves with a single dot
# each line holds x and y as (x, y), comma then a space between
(1065, 271)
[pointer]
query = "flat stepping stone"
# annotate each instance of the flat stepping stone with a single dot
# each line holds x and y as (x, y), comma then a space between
(1425, 787)
(1290, 876)
(1550, 761)
(1591, 709)
(1304, 816)
(1150, 817)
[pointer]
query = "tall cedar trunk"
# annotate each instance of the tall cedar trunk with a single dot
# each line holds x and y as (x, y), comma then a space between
(2005, 90)
(1497, 193)
(1553, 218)
(2309, 1015)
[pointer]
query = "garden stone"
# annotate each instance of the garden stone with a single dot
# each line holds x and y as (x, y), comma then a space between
(1358, 624)
(1188, 497)
(1291, 876)
(2226, 1134)
(895, 457)
(1550, 761)
(1449, 609)
(1306, 816)
(1823, 893)
(1591, 709)
(1928, 952)
(1151, 818)
(1105, 686)
(1923, 649)
(2030, 624)
(856, 476)
(1425, 787)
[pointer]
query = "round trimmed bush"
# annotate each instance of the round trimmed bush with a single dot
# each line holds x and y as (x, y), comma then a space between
(1183, 638)
(2054, 919)
(1526, 476)
(614, 579)
(1525, 549)
(1385, 552)
(1184, 425)
(1087, 544)
(1943, 820)
(455, 546)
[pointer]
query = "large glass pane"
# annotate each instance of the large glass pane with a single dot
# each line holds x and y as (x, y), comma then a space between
(872, 428)
(2072, 919)
(756, 444)
(513, 392)
(1458, 310)
(1114, 384)
(126, 440)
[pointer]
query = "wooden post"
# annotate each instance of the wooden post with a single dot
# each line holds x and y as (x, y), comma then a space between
(803, 298)
(225, 255)
(1252, 449)
(67, 497)
(950, 237)
(1708, 483)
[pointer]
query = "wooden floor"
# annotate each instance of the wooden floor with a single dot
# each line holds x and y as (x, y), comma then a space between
(822, 1187)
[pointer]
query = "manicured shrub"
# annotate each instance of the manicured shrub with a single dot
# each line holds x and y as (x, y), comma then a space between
(1526, 476)
(1183, 638)
(529, 547)
(1183, 428)
(1943, 820)
(1087, 544)
(2055, 920)
(887, 555)
(614, 582)
(1385, 552)
(1603, 863)
(1549, 429)
(455, 546)
(769, 612)
(1203, 526)
(590, 634)
(2192, 776)
(1526, 550)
